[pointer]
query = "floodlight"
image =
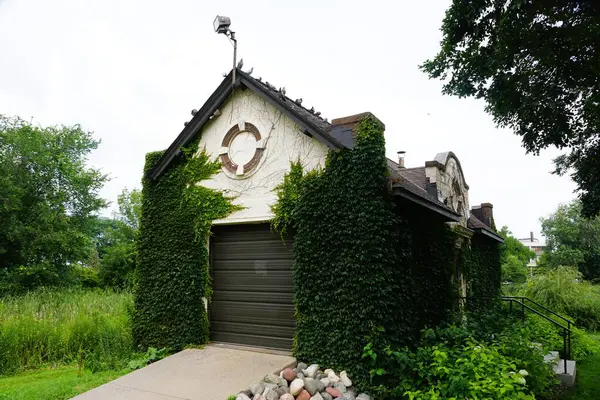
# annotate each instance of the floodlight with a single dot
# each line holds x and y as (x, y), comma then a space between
(221, 24)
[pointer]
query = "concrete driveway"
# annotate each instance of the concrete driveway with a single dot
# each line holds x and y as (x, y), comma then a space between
(211, 373)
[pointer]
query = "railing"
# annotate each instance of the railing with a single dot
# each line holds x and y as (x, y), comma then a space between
(520, 301)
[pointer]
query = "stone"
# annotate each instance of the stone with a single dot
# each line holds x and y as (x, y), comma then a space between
(271, 378)
(334, 392)
(301, 366)
(300, 375)
(288, 374)
(320, 376)
(347, 396)
(326, 396)
(311, 371)
(320, 386)
(286, 396)
(304, 395)
(258, 397)
(344, 379)
(272, 395)
(317, 396)
(363, 396)
(247, 392)
(296, 386)
(274, 379)
(340, 386)
(320, 372)
(242, 396)
(310, 385)
(327, 371)
(282, 390)
(352, 390)
(326, 382)
(333, 377)
(271, 386)
(257, 388)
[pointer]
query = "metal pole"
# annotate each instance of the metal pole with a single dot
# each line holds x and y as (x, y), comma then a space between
(570, 349)
(565, 350)
(232, 38)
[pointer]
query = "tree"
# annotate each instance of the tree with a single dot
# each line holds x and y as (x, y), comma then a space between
(514, 257)
(48, 198)
(116, 241)
(572, 240)
(537, 66)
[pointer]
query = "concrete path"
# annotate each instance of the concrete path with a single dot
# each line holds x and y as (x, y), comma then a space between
(212, 373)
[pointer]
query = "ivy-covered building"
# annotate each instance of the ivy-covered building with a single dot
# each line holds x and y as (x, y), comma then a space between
(265, 224)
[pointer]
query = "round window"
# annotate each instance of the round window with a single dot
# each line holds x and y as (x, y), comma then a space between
(241, 150)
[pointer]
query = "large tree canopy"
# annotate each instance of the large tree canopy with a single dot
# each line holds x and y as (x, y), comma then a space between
(116, 241)
(514, 257)
(537, 66)
(47, 200)
(572, 240)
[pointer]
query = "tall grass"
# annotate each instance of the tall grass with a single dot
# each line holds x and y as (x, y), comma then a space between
(564, 290)
(90, 328)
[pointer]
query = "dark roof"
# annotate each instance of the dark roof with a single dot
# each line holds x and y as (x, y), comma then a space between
(409, 183)
(475, 224)
(415, 175)
(309, 122)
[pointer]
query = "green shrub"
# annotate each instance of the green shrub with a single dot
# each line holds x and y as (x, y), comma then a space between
(152, 355)
(451, 364)
(92, 328)
(564, 290)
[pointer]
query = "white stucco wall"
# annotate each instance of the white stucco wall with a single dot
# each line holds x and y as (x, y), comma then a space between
(283, 142)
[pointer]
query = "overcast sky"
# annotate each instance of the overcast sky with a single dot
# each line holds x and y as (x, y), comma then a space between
(131, 71)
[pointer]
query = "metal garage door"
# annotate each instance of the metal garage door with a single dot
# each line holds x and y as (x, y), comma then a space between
(252, 302)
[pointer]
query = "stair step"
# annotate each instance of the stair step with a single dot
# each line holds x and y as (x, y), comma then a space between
(566, 378)
(552, 358)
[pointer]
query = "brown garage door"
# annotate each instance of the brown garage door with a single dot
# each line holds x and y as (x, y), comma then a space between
(252, 302)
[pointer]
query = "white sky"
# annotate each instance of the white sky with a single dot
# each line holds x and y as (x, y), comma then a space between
(131, 71)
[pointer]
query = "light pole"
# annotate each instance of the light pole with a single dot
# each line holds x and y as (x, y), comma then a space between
(221, 25)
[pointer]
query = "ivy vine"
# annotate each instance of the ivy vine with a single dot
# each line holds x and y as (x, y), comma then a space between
(364, 263)
(172, 277)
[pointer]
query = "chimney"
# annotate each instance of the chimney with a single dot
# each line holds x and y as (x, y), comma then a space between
(488, 214)
(344, 129)
(531, 236)
(401, 155)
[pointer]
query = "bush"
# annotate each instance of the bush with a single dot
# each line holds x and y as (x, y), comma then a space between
(92, 328)
(550, 336)
(451, 364)
(564, 290)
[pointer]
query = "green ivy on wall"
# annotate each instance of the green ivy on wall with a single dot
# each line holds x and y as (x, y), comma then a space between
(483, 271)
(344, 265)
(366, 264)
(172, 276)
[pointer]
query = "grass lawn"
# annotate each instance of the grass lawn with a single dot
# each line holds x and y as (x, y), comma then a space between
(53, 384)
(587, 384)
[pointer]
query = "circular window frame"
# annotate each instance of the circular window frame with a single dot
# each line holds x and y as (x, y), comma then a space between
(228, 163)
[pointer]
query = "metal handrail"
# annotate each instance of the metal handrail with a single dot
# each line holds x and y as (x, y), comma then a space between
(569, 322)
(566, 329)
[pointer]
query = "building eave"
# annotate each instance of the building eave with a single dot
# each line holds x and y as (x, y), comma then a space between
(444, 212)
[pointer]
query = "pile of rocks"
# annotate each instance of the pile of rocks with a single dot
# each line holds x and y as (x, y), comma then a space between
(303, 383)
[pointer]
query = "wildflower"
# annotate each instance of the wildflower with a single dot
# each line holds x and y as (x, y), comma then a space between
(477, 348)
(523, 373)
(521, 380)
